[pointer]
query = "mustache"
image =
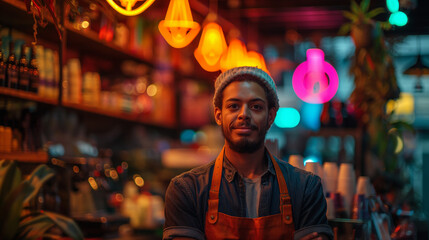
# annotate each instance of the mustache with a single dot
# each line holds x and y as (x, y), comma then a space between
(243, 125)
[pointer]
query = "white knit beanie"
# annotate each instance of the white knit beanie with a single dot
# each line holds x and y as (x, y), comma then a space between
(246, 74)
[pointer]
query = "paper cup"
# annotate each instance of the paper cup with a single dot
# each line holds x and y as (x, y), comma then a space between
(330, 212)
(296, 161)
(347, 189)
(363, 186)
(330, 175)
(347, 185)
(315, 168)
(346, 171)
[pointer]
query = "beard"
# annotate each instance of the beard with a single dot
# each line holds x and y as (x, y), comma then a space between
(245, 145)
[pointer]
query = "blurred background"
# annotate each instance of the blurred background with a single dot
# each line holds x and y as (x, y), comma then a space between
(118, 102)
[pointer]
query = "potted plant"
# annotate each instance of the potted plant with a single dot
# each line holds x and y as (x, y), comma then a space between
(361, 25)
(374, 79)
(375, 84)
(15, 193)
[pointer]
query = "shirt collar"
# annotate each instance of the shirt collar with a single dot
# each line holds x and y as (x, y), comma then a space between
(230, 170)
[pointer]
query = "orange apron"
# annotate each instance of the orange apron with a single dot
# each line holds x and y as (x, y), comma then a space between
(222, 226)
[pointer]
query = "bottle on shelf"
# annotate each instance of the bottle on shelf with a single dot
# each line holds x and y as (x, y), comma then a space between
(33, 72)
(23, 73)
(11, 68)
(49, 79)
(2, 68)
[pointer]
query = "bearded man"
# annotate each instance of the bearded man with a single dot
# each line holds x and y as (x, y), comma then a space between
(246, 193)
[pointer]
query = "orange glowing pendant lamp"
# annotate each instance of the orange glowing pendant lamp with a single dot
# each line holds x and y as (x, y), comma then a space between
(178, 28)
(211, 47)
(128, 8)
(235, 56)
(255, 59)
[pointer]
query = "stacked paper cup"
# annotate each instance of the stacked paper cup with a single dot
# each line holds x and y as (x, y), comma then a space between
(296, 161)
(347, 185)
(330, 176)
(360, 201)
(364, 186)
(315, 168)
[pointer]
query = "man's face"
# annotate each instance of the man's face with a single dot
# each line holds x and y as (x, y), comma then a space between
(244, 117)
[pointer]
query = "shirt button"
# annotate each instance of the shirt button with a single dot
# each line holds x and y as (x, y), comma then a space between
(212, 217)
(287, 217)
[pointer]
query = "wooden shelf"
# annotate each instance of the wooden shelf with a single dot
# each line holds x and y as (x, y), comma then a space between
(132, 117)
(26, 96)
(356, 133)
(86, 42)
(28, 157)
(342, 132)
(15, 16)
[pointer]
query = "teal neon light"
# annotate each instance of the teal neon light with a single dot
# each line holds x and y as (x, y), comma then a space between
(398, 18)
(287, 118)
(392, 5)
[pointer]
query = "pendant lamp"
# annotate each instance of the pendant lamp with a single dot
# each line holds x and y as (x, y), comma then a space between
(255, 59)
(235, 56)
(418, 69)
(178, 28)
(211, 47)
(128, 9)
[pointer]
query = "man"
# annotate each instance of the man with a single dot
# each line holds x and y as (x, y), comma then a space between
(245, 193)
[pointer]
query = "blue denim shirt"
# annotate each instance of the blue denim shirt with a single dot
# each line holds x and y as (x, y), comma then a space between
(187, 196)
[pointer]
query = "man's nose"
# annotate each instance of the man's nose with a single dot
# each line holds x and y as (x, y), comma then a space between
(244, 112)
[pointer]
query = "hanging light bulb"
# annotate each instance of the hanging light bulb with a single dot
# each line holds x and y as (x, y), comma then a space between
(128, 5)
(178, 28)
(235, 56)
(211, 47)
(255, 59)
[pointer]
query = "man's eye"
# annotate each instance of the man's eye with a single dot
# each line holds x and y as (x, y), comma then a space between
(257, 107)
(233, 106)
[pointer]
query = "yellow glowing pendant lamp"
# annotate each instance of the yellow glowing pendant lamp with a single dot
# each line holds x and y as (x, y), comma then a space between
(235, 56)
(128, 9)
(211, 47)
(255, 59)
(178, 28)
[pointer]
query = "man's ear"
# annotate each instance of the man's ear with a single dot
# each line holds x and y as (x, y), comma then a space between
(218, 115)
(272, 113)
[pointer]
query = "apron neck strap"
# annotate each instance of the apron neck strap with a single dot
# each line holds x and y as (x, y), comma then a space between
(285, 202)
(214, 188)
(213, 204)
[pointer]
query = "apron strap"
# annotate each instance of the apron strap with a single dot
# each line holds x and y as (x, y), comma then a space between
(213, 203)
(285, 202)
(214, 188)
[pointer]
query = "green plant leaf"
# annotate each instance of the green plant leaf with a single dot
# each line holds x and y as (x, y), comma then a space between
(10, 177)
(364, 5)
(351, 16)
(37, 178)
(34, 228)
(345, 28)
(355, 8)
(385, 25)
(401, 125)
(67, 225)
(51, 236)
(375, 12)
(11, 210)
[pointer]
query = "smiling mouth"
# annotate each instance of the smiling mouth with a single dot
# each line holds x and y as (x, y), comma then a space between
(244, 130)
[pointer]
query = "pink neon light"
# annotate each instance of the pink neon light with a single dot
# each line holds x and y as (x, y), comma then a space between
(315, 81)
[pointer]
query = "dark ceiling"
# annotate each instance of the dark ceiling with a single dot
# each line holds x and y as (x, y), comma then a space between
(272, 18)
